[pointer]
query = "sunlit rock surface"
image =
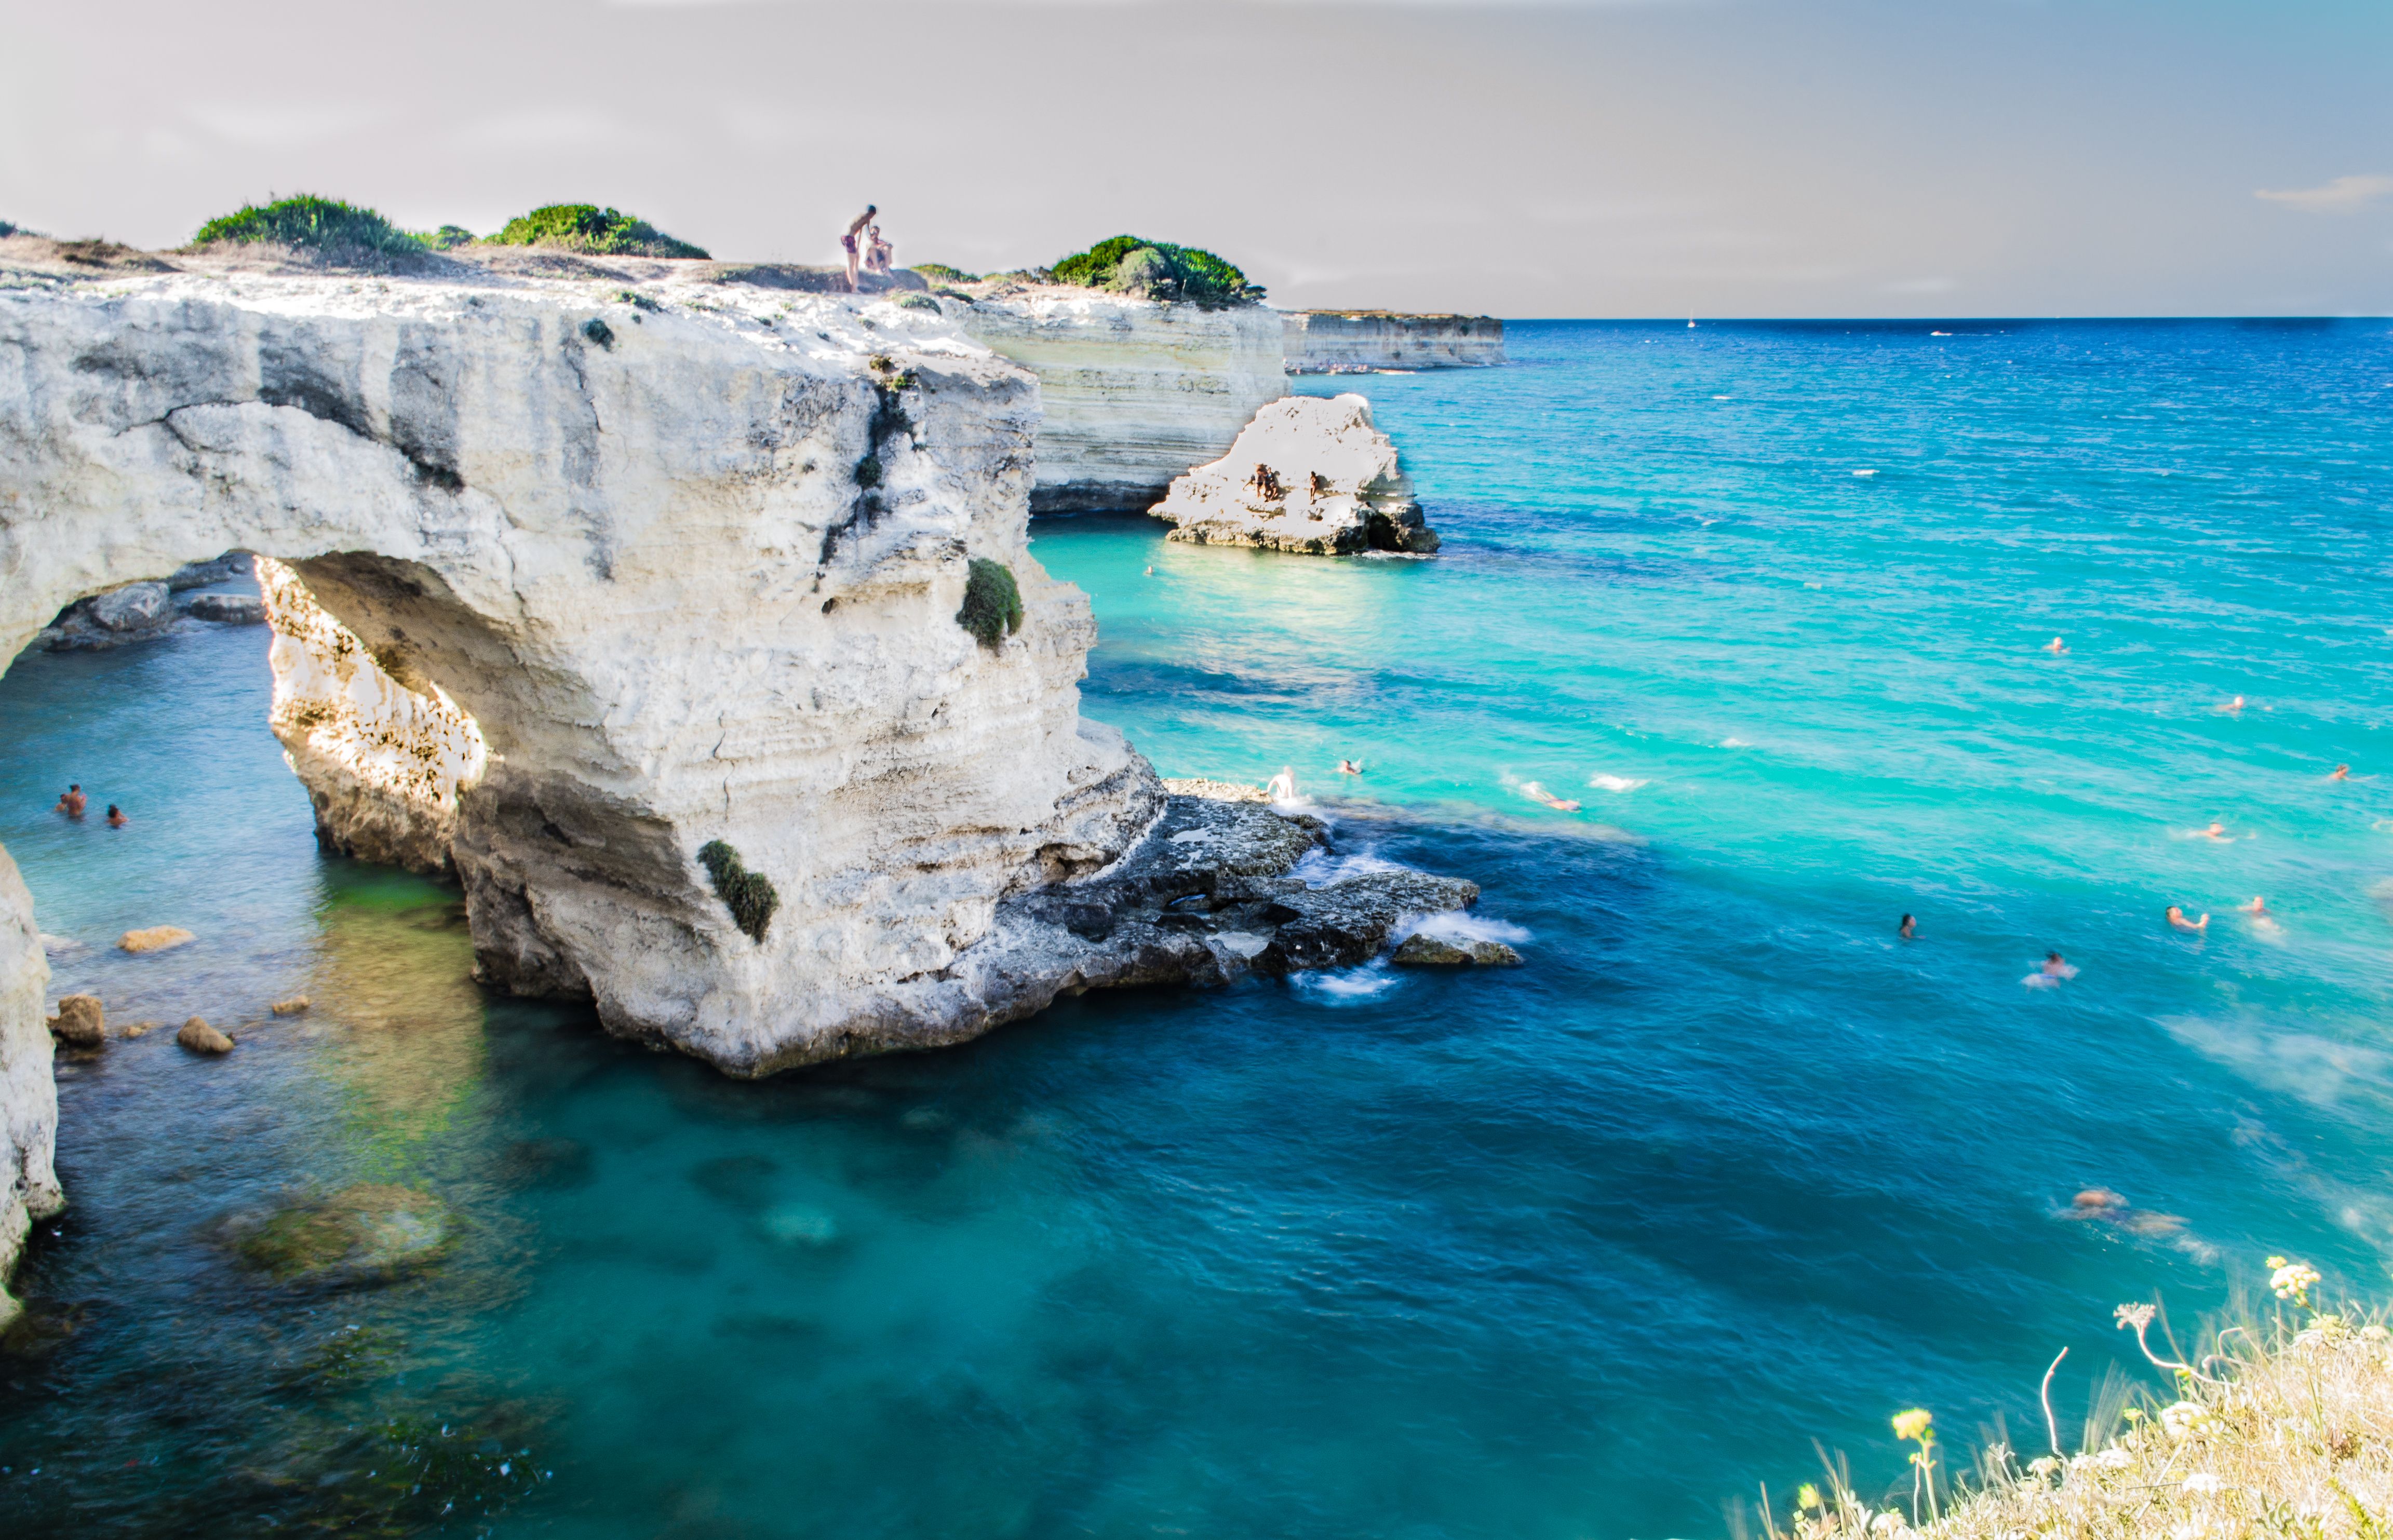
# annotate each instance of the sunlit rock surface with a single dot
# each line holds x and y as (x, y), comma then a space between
(383, 763)
(1135, 391)
(1355, 341)
(686, 552)
(1308, 475)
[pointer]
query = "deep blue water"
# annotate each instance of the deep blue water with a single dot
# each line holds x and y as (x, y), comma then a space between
(1585, 1249)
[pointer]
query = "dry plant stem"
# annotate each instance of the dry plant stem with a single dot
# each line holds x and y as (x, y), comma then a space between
(2140, 1317)
(2051, 1429)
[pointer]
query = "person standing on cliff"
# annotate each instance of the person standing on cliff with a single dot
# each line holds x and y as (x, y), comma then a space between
(852, 241)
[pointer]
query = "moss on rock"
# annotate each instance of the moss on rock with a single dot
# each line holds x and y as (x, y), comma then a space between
(750, 895)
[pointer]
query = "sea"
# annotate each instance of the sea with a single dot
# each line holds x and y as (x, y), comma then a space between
(1745, 642)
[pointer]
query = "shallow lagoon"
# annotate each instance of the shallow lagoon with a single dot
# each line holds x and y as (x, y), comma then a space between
(1585, 1249)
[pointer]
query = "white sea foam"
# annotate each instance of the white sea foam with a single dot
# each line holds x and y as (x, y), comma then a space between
(1735, 743)
(1349, 984)
(1614, 783)
(1458, 926)
(1865, 472)
(1318, 867)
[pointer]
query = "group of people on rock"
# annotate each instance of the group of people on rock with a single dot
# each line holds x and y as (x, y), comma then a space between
(71, 803)
(866, 249)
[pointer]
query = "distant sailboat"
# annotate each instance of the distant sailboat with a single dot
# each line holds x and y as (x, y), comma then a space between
(1690, 323)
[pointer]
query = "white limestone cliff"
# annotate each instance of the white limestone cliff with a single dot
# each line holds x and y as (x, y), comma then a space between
(1307, 474)
(1134, 391)
(687, 555)
(1358, 342)
(383, 763)
(29, 1096)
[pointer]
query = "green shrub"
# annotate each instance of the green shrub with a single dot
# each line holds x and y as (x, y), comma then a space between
(747, 894)
(311, 224)
(867, 471)
(992, 608)
(939, 272)
(587, 227)
(6, 229)
(918, 302)
(446, 237)
(1158, 270)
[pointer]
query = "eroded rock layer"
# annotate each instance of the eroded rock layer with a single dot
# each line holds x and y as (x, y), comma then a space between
(1358, 342)
(29, 1096)
(1134, 391)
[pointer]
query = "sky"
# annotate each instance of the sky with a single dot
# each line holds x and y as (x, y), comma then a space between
(1602, 158)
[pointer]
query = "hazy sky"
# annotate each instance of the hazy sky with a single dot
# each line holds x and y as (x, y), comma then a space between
(1630, 158)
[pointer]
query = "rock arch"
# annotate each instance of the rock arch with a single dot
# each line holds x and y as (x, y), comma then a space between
(636, 546)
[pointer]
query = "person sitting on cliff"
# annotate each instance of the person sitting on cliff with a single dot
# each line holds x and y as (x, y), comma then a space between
(847, 242)
(71, 801)
(1318, 484)
(116, 818)
(1266, 485)
(2178, 920)
(877, 251)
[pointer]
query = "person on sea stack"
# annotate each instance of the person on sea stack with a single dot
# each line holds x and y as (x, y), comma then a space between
(848, 242)
(1283, 786)
(877, 251)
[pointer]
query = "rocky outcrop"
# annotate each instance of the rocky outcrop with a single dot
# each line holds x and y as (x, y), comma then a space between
(1210, 895)
(1307, 474)
(1134, 391)
(143, 611)
(81, 1022)
(383, 763)
(1359, 342)
(29, 1096)
(200, 1037)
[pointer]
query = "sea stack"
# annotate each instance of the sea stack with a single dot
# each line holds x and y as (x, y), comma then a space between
(1308, 476)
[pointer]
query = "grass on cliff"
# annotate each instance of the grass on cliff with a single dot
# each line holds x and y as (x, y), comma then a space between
(309, 223)
(1158, 270)
(939, 272)
(589, 228)
(2280, 1429)
(992, 606)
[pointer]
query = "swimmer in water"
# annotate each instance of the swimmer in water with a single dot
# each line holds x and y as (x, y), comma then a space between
(2055, 967)
(1349, 767)
(1150, 571)
(2055, 646)
(1539, 793)
(2257, 907)
(70, 801)
(2177, 918)
(2216, 831)
(117, 820)
(1908, 928)
(2233, 707)
(1283, 786)
(2342, 772)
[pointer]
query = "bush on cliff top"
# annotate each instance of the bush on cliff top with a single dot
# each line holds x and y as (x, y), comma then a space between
(1158, 270)
(587, 227)
(747, 894)
(310, 223)
(939, 272)
(992, 608)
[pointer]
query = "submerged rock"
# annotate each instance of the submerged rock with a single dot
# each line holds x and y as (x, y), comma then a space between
(1429, 951)
(200, 1037)
(291, 1007)
(1308, 476)
(156, 938)
(79, 1023)
(368, 1233)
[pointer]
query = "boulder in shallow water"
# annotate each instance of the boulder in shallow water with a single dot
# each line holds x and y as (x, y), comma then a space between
(79, 1023)
(231, 610)
(136, 606)
(200, 1037)
(156, 938)
(1308, 476)
(368, 1233)
(291, 1007)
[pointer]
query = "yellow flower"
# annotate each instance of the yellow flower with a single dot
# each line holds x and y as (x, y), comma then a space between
(1913, 1424)
(1807, 1495)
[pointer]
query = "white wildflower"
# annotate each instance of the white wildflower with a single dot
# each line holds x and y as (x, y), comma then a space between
(2186, 1420)
(2202, 1480)
(2043, 1464)
(2292, 1281)
(2114, 1458)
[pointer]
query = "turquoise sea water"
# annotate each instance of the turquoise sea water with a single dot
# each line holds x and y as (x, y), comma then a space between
(1585, 1249)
